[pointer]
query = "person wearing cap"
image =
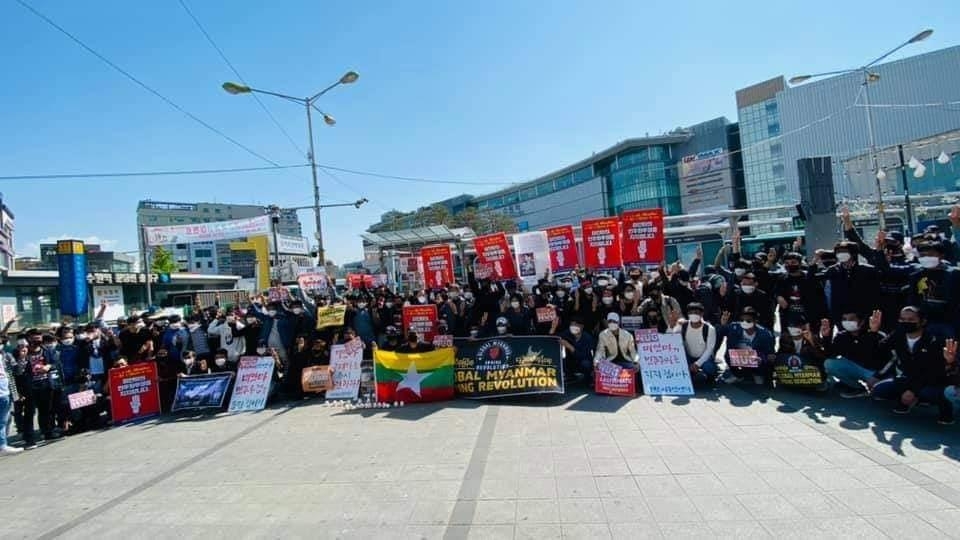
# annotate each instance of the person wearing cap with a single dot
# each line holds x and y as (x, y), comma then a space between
(667, 305)
(502, 325)
(699, 343)
(391, 339)
(924, 361)
(616, 345)
(935, 289)
(749, 294)
(850, 285)
(746, 334)
(797, 292)
(580, 347)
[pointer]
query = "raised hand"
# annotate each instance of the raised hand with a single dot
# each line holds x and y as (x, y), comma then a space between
(950, 351)
(845, 216)
(699, 254)
(875, 320)
(955, 215)
(826, 327)
(725, 317)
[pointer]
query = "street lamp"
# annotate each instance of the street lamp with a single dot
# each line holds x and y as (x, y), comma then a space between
(308, 103)
(871, 77)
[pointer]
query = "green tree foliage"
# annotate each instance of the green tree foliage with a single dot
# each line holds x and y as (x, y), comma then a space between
(162, 261)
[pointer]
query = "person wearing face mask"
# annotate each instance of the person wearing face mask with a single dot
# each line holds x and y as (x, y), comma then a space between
(849, 285)
(934, 289)
(43, 377)
(652, 318)
(502, 326)
(699, 343)
(230, 332)
(801, 341)
(167, 372)
(748, 294)
(617, 346)
(391, 339)
(175, 337)
(8, 396)
(413, 344)
(276, 328)
(303, 320)
(630, 300)
(854, 357)
(198, 341)
(220, 364)
(450, 309)
(133, 338)
(585, 304)
(924, 362)
(667, 305)
(360, 318)
(580, 347)
(250, 333)
(798, 293)
(519, 316)
(746, 334)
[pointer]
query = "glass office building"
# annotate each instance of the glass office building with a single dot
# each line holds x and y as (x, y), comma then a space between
(762, 150)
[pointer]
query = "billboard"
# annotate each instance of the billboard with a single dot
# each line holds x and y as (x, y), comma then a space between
(706, 182)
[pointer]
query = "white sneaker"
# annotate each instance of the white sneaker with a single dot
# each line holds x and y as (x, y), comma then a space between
(758, 379)
(9, 450)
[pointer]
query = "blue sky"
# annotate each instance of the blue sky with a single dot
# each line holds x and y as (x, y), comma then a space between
(489, 91)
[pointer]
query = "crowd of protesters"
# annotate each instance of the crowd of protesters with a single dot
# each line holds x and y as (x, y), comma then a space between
(877, 320)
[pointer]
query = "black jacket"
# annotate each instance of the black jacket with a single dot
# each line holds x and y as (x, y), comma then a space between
(922, 367)
(863, 348)
(855, 289)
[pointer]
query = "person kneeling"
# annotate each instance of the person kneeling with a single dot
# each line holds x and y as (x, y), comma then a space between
(699, 342)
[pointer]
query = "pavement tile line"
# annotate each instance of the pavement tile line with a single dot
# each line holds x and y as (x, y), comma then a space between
(159, 477)
(458, 527)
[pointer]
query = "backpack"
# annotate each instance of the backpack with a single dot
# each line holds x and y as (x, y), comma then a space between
(704, 329)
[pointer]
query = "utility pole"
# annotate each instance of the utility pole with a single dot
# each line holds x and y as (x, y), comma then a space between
(908, 229)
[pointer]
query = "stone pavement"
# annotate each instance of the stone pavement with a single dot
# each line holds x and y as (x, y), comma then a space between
(732, 463)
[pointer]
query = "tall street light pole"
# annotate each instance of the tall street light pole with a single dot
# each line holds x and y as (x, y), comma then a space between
(308, 103)
(870, 77)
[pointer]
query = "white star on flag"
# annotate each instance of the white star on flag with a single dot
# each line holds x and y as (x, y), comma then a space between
(412, 380)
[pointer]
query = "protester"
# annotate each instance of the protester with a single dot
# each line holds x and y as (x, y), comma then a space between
(8, 395)
(854, 356)
(699, 342)
(747, 335)
(580, 348)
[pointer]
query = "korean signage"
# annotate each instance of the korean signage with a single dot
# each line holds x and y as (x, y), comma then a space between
(706, 182)
(250, 392)
(601, 243)
(563, 248)
(345, 362)
(119, 278)
(663, 364)
(437, 266)
(643, 236)
(112, 297)
(494, 258)
(208, 232)
(293, 245)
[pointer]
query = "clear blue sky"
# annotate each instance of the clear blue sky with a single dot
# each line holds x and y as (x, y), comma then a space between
(496, 90)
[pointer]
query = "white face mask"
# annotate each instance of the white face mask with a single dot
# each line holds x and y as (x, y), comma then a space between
(468, 295)
(746, 325)
(613, 326)
(602, 282)
(843, 256)
(628, 295)
(515, 305)
(175, 326)
(739, 271)
(221, 362)
(388, 304)
(298, 311)
(261, 351)
(422, 299)
(454, 295)
(561, 293)
(575, 330)
(193, 326)
(251, 320)
(928, 261)
(271, 313)
(474, 333)
(748, 289)
(849, 326)
(794, 331)
(362, 305)
(501, 329)
(588, 290)
(67, 341)
(695, 318)
(607, 300)
(188, 361)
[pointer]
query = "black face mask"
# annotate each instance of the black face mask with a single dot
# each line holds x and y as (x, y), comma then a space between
(793, 268)
(908, 327)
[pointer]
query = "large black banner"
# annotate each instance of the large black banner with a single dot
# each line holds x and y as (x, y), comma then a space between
(795, 370)
(201, 391)
(508, 366)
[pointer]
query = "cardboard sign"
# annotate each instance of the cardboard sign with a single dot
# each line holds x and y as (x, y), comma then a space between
(254, 374)
(493, 257)
(330, 316)
(546, 314)
(643, 236)
(743, 358)
(316, 379)
(663, 364)
(601, 243)
(422, 320)
(795, 370)
(613, 380)
(79, 400)
(443, 341)
(533, 256)
(133, 392)
(345, 360)
(437, 266)
(563, 248)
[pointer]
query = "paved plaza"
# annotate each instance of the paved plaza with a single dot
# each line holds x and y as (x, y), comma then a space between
(733, 463)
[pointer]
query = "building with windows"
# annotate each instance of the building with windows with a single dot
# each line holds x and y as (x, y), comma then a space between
(7, 252)
(98, 260)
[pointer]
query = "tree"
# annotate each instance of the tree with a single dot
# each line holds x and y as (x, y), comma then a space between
(162, 261)
(484, 222)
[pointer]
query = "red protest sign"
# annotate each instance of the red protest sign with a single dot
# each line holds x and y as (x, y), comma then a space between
(546, 314)
(437, 266)
(613, 380)
(133, 392)
(601, 243)
(643, 236)
(493, 253)
(422, 320)
(357, 281)
(563, 248)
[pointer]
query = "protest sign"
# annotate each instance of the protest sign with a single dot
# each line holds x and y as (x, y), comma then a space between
(533, 256)
(207, 232)
(663, 364)
(414, 377)
(345, 360)
(743, 358)
(254, 374)
(546, 314)
(133, 392)
(277, 294)
(315, 379)
(201, 391)
(601, 243)
(79, 400)
(795, 370)
(614, 380)
(437, 266)
(330, 316)
(643, 236)
(563, 248)
(312, 282)
(112, 296)
(508, 366)
(631, 323)
(422, 320)
(443, 341)
(493, 257)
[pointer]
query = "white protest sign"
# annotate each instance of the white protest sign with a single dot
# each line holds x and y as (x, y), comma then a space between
(345, 362)
(112, 296)
(663, 364)
(250, 391)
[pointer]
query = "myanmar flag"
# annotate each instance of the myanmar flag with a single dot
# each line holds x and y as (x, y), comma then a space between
(426, 376)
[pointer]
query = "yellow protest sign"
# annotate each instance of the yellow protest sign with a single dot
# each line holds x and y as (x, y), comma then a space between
(330, 316)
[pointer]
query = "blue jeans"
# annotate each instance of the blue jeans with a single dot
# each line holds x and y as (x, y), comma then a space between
(5, 405)
(893, 389)
(707, 371)
(847, 371)
(952, 393)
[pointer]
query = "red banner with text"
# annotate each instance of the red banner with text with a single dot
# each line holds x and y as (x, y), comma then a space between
(134, 393)
(493, 256)
(422, 320)
(563, 248)
(601, 243)
(437, 266)
(643, 236)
